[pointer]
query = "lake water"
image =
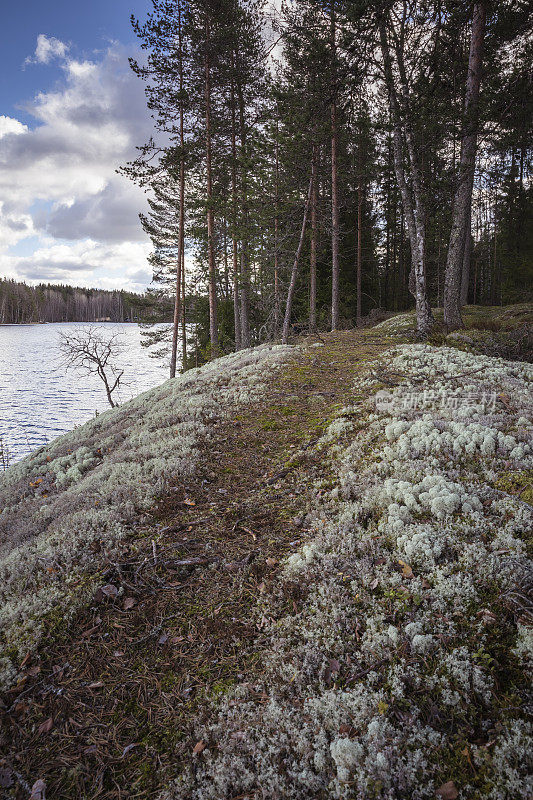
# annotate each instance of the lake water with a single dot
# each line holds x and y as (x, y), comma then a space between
(39, 401)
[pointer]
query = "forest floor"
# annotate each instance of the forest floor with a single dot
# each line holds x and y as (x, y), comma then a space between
(106, 708)
(108, 705)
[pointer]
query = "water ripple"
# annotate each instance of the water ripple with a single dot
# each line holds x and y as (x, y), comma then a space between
(38, 401)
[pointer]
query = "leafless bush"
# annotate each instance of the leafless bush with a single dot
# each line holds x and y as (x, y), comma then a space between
(93, 351)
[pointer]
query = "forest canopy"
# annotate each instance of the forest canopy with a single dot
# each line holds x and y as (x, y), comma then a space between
(341, 156)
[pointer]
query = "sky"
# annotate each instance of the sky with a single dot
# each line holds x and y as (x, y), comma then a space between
(71, 112)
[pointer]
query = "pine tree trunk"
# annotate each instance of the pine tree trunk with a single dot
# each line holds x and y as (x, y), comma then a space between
(213, 324)
(334, 184)
(236, 312)
(359, 237)
(462, 205)
(245, 266)
(465, 273)
(183, 328)
(312, 256)
(294, 273)
(181, 236)
(177, 311)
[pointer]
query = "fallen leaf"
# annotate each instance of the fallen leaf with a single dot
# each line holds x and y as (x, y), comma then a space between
(45, 726)
(96, 685)
(109, 590)
(347, 730)
(129, 602)
(407, 572)
(448, 791)
(271, 562)
(163, 639)
(199, 747)
(6, 777)
(38, 790)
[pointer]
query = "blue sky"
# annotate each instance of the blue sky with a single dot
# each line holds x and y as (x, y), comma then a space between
(89, 26)
(71, 112)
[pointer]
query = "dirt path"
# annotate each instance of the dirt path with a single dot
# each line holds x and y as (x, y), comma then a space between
(107, 706)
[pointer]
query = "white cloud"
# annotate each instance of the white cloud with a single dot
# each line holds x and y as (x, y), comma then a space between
(48, 48)
(83, 263)
(58, 180)
(10, 125)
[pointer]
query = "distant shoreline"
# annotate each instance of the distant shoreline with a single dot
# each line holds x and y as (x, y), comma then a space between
(72, 322)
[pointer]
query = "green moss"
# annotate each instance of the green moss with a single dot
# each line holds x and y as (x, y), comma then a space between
(222, 687)
(518, 483)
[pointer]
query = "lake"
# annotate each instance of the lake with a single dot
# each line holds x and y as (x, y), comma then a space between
(39, 401)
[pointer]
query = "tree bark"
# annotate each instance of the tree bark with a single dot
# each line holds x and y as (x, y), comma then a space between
(181, 231)
(245, 266)
(312, 256)
(411, 199)
(359, 236)
(213, 324)
(183, 328)
(294, 273)
(462, 205)
(236, 312)
(465, 272)
(276, 236)
(334, 182)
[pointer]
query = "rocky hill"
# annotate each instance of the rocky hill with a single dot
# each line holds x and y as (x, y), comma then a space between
(297, 572)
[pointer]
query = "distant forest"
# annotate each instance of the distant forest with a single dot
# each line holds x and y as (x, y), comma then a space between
(20, 304)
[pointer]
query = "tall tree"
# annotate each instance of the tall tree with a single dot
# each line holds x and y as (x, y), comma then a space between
(181, 228)
(294, 272)
(462, 206)
(213, 322)
(411, 191)
(335, 269)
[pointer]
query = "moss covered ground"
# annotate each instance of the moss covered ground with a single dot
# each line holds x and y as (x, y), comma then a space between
(105, 707)
(108, 704)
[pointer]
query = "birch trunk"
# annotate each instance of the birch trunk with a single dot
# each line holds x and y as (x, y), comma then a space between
(276, 236)
(462, 205)
(411, 200)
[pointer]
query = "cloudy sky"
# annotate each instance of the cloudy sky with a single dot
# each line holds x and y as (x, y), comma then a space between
(71, 112)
